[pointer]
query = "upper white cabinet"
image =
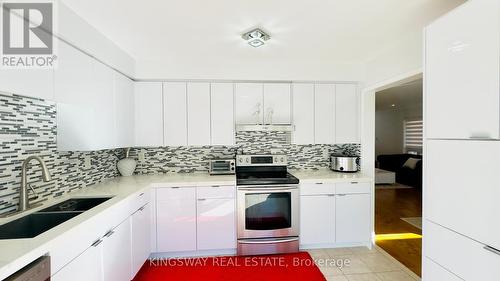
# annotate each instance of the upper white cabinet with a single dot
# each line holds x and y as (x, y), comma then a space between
(222, 114)
(175, 113)
(303, 113)
(277, 103)
(324, 114)
(249, 103)
(462, 73)
(346, 114)
(198, 114)
(124, 111)
(148, 114)
(37, 83)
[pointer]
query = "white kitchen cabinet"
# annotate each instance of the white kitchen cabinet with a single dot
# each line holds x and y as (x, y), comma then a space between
(176, 219)
(461, 187)
(249, 103)
(216, 223)
(175, 114)
(303, 113)
(277, 103)
(86, 267)
(141, 237)
(346, 114)
(352, 218)
(317, 219)
(462, 73)
(36, 83)
(324, 113)
(198, 113)
(222, 114)
(434, 272)
(148, 114)
(124, 111)
(116, 253)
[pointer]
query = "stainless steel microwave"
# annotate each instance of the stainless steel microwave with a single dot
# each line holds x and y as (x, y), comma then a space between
(222, 167)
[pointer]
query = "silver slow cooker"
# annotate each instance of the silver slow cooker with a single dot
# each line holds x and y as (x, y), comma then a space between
(343, 163)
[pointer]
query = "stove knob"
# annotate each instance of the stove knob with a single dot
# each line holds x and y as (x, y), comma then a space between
(282, 160)
(246, 160)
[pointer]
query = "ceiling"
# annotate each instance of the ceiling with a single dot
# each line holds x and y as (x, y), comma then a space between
(405, 96)
(201, 31)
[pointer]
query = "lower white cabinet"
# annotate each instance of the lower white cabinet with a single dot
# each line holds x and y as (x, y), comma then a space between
(116, 249)
(176, 219)
(317, 219)
(434, 272)
(352, 218)
(141, 237)
(85, 267)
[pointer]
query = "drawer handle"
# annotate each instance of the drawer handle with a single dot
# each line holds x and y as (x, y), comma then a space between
(319, 183)
(493, 250)
(109, 233)
(331, 195)
(215, 185)
(141, 208)
(354, 182)
(175, 187)
(96, 243)
(202, 199)
(341, 195)
(141, 194)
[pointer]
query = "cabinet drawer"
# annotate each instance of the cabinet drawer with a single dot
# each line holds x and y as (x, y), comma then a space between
(353, 187)
(140, 200)
(317, 188)
(464, 257)
(215, 191)
(167, 194)
(434, 272)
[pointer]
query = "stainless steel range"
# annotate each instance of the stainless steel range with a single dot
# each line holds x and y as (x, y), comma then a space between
(268, 205)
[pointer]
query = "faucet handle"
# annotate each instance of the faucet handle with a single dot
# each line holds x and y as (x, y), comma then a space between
(32, 189)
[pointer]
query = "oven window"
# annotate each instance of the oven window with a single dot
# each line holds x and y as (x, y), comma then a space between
(268, 211)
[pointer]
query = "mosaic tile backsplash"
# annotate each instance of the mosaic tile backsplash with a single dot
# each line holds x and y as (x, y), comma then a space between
(28, 127)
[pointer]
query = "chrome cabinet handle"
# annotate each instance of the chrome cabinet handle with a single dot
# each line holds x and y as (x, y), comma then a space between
(319, 183)
(141, 194)
(202, 199)
(354, 182)
(141, 208)
(175, 187)
(491, 249)
(341, 195)
(96, 243)
(331, 195)
(215, 185)
(109, 233)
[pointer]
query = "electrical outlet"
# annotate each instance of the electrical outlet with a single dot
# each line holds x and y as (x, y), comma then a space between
(141, 155)
(87, 162)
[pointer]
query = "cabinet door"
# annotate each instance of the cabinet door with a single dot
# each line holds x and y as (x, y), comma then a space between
(198, 113)
(434, 272)
(124, 108)
(352, 218)
(277, 103)
(462, 72)
(175, 112)
(176, 219)
(141, 237)
(249, 103)
(462, 187)
(148, 114)
(216, 223)
(303, 113)
(317, 219)
(116, 253)
(222, 114)
(41, 82)
(324, 113)
(85, 267)
(346, 114)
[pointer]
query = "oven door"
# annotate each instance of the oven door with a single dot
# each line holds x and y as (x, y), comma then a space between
(268, 211)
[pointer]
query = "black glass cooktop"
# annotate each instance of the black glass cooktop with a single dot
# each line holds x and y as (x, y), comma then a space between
(264, 176)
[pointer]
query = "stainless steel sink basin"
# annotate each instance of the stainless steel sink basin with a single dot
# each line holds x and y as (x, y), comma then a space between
(34, 224)
(76, 205)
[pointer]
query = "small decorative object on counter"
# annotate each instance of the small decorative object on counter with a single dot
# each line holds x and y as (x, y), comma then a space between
(126, 166)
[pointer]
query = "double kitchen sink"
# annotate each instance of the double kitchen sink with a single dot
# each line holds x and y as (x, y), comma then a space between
(37, 223)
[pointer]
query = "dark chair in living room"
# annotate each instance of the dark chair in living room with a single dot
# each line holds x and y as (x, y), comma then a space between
(411, 176)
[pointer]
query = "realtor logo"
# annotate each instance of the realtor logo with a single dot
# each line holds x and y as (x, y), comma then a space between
(27, 39)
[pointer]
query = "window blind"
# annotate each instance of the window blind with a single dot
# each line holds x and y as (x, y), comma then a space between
(413, 134)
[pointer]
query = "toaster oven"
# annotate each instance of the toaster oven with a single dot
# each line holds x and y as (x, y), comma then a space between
(222, 167)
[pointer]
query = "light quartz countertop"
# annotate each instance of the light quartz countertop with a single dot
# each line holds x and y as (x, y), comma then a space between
(17, 253)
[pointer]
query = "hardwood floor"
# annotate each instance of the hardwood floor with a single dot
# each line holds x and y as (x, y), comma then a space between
(390, 206)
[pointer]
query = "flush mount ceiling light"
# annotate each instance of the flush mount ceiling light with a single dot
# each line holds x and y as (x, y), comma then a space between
(256, 37)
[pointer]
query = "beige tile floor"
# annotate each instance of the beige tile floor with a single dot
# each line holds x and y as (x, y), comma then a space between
(363, 265)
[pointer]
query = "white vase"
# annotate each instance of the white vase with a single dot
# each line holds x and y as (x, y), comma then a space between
(126, 166)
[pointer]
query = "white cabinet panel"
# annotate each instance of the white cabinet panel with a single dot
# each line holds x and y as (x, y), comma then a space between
(176, 219)
(141, 237)
(216, 224)
(175, 114)
(353, 187)
(303, 113)
(346, 114)
(277, 103)
(462, 72)
(198, 113)
(317, 188)
(85, 267)
(249, 103)
(222, 114)
(352, 218)
(124, 110)
(434, 272)
(116, 253)
(461, 187)
(324, 114)
(317, 219)
(37, 83)
(148, 114)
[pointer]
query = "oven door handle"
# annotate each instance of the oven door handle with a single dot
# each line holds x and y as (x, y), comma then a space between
(268, 241)
(260, 189)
